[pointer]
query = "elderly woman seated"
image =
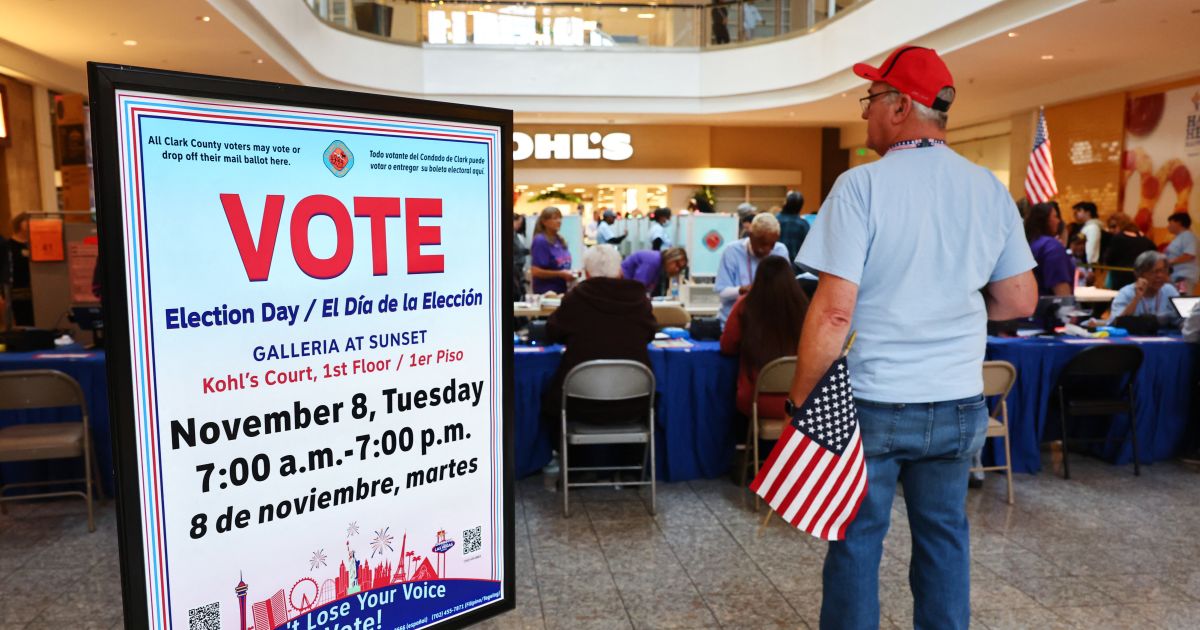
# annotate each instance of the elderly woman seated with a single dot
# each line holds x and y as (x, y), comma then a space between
(1149, 294)
(604, 317)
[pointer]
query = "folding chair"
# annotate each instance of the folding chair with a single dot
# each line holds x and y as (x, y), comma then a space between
(671, 315)
(774, 378)
(998, 379)
(1116, 362)
(35, 389)
(608, 380)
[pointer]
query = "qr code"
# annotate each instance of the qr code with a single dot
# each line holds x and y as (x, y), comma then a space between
(206, 617)
(472, 540)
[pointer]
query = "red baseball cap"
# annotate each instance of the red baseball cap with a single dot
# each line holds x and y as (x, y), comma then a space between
(916, 71)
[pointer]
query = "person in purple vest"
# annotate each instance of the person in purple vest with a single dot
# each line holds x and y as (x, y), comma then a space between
(651, 268)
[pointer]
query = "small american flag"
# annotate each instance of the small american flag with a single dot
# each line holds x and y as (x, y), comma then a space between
(816, 477)
(1039, 176)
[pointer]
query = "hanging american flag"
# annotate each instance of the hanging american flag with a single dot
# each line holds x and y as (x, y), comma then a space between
(1039, 176)
(816, 476)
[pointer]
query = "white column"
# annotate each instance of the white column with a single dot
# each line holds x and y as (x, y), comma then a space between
(44, 138)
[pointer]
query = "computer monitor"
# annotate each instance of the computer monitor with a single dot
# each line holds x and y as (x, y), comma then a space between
(1184, 305)
(1050, 308)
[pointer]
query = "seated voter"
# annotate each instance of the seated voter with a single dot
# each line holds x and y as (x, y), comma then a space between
(740, 259)
(648, 267)
(1149, 294)
(604, 317)
(763, 326)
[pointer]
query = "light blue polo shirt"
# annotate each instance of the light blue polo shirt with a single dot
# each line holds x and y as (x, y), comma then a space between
(737, 268)
(920, 232)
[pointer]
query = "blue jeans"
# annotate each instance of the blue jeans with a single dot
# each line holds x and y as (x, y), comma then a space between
(927, 447)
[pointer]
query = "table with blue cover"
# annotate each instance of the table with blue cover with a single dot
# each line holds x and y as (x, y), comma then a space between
(1163, 391)
(86, 367)
(694, 412)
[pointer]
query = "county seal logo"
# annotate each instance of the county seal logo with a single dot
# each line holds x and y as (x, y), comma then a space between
(338, 158)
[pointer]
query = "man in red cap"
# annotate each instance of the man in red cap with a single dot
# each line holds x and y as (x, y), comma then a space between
(915, 252)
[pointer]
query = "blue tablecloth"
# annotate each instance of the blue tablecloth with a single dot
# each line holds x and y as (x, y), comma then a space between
(1163, 390)
(87, 367)
(694, 412)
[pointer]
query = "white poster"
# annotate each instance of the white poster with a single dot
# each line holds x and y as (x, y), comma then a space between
(315, 345)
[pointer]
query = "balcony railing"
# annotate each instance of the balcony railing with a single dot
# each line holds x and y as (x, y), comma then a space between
(578, 24)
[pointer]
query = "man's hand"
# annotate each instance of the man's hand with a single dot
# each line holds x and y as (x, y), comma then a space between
(566, 274)
(1139, 288)
(744, 289)
(825, 329)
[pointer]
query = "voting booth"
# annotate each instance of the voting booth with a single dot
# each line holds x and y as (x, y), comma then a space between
(306, 297)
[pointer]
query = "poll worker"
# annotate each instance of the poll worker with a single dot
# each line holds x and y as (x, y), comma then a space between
(651, 268)
(740, 260)
(549, 258)
(658, 235)
(605, 232)
(888, 228)
(1181, 253)
(1055, 271)
(604, 317)
(1149, 293)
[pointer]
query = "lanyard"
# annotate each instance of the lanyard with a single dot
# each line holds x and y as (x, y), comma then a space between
(1142, 303)
(749, 261)
(916, 143)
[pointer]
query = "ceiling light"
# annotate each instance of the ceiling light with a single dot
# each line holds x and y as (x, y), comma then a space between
(1012, 34)
(130, 42)
(624, 9)
(559, 185)
(578, 190)
(646, 16)
(259, 60)
(1047, 57)
(203, 18)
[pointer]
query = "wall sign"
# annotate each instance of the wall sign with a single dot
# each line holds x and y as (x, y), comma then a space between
(305, 296)
(613, 147)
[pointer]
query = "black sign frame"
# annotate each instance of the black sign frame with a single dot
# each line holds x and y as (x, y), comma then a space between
(103, 82)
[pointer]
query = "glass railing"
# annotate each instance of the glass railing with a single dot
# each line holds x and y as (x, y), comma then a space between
(578, 24)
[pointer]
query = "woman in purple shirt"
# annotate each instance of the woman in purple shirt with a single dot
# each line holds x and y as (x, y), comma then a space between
(549, 259)
(1055, 271)
(647, 266)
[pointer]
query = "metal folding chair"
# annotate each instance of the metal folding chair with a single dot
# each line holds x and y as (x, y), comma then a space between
(608, 380)
(36, 389)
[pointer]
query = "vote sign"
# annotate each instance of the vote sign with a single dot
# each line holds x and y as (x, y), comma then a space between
(304, 299)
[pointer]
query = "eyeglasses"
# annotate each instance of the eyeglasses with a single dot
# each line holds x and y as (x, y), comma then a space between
(865, 101)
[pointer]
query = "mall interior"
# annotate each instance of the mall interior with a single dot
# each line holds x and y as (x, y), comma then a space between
(728, 113)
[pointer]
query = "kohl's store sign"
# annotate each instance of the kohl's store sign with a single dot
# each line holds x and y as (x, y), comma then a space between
(613, 147)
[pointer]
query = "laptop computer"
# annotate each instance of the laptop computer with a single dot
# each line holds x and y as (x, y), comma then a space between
(1184, 305)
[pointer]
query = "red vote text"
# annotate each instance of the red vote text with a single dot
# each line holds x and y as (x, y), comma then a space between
(257, 254)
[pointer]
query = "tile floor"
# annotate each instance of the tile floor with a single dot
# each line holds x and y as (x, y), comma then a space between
(1104, 550)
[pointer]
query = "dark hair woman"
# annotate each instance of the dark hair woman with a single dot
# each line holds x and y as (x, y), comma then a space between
(763, 326)
(550, 260)
(1055, 271)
